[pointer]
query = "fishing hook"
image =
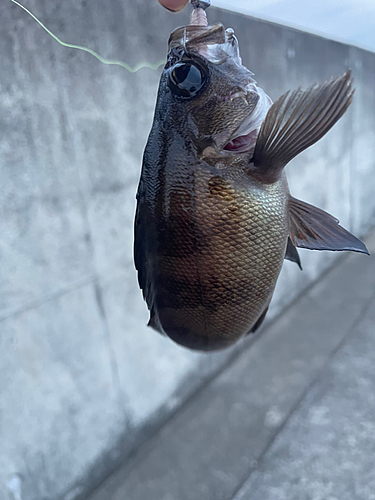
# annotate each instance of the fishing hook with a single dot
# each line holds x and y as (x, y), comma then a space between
(200, 4)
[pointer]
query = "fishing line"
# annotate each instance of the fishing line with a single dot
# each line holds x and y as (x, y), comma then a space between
(131, 69)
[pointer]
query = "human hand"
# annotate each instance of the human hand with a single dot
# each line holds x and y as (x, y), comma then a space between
(174, 5)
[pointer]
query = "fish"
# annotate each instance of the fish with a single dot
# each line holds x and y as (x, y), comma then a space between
(215, 218)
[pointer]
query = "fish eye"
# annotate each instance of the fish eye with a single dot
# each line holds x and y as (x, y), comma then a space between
(186, 79)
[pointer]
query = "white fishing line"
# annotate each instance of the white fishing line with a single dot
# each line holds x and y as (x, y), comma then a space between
(131, 69)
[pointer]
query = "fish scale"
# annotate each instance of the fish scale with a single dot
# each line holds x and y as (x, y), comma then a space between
(220, 289)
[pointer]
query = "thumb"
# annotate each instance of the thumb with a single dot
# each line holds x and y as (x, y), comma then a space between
(174, 5)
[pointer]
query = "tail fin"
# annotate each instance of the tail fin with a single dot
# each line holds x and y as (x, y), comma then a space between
(296, 121)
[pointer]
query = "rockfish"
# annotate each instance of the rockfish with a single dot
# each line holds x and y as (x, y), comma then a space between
(215, 218)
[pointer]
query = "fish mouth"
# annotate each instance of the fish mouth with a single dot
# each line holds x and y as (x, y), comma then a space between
(244, 138)
(243, 143)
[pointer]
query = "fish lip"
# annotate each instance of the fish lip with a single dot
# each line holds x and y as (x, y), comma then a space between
(214, 43)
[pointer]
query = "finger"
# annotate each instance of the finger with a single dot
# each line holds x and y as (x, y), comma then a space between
(174, 5)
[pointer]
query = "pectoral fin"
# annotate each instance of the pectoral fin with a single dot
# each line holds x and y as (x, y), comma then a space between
(296, 121)
(312, 228)
(292, 254)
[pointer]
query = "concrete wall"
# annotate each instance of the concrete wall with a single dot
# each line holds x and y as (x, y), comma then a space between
(82, 379)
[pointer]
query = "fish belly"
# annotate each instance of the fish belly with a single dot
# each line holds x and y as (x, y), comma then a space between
(219, 256)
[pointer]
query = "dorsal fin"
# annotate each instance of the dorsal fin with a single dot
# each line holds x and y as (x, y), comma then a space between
(296, 121)
(312, 228)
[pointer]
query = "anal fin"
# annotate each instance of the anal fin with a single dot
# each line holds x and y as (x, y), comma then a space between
(292, 253)
(259, 321)
(155, 323)
(312, 228)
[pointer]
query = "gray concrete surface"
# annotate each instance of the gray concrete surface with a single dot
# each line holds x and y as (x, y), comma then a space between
(327, 449)
(295, 411)
(83, 381)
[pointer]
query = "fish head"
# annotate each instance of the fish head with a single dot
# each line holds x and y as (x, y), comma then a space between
(210, 94)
